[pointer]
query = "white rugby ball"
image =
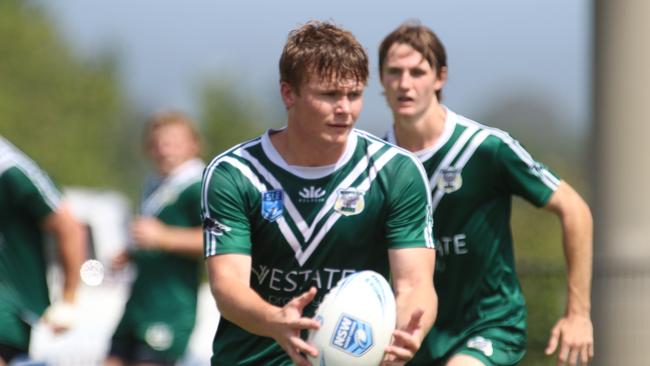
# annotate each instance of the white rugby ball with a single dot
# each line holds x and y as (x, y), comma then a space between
(357, 320)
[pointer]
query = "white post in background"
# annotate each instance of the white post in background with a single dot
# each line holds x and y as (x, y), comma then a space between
(621, 177)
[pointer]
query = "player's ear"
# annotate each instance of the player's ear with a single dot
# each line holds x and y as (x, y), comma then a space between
(288, 94)
(441, 78)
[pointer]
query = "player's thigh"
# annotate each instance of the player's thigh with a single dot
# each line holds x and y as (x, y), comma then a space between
(464, 360)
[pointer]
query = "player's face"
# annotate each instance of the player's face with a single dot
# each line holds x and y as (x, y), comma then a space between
(324, 110)
(410, 82)
(170, 146)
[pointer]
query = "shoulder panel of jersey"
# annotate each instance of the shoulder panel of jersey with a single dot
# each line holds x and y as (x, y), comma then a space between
(547, 177)
(470, 136)
(170, 189)
(12, 157)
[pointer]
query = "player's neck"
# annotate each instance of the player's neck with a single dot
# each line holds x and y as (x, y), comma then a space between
(420, 132)
(297, 150)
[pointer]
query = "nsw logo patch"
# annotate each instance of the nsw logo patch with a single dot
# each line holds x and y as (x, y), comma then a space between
(349, 202)
(352, 336)
(272, 204)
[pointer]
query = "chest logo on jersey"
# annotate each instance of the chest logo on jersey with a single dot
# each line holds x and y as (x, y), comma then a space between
(272, 204)
(349, 202)
(450, 180)
(311, 194)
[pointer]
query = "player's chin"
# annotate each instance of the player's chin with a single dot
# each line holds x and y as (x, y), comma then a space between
(337, 133)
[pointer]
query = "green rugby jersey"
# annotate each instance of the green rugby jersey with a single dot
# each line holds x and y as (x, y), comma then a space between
(161, 309)
(308, 227)
(473, 171)
(27, 197)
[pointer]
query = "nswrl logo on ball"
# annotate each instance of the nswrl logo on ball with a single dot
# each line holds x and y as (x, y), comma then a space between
(352, 336)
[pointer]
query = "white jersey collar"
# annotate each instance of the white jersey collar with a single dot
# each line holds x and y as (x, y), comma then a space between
(308, 172)
(426, 153)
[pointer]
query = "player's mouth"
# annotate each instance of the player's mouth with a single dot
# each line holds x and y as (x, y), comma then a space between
(341, 126)
(405, 99)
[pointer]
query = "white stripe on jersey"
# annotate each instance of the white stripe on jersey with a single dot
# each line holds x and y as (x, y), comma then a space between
(300, 255)
(374, 170)
(423, 174)
(452, 153)
(13, 157)
(305, 230)
(210, 238)
(477, 140)
(207, 174)
(182, 177)
(546, 176)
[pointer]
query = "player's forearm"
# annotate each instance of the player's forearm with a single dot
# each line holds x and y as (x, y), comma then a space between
(187, 241)
(243, 306)
(578, 247)
(577, 228)
(410, 298)
(71, 248)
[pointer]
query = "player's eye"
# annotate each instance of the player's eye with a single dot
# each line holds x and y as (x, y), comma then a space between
(418, 72)
(393, 71)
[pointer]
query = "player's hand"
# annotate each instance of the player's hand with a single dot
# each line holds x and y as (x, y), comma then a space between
(575, 336)
(60, 316)
(120, 260)
(406, 341)
(146, 232)
(288, 322)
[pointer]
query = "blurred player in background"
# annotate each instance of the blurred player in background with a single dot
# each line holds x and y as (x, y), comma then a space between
(290, 213)
(30, 208)
(474, 171)
(168, 244)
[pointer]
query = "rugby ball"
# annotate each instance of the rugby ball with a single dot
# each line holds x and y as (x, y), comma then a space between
(357, 320)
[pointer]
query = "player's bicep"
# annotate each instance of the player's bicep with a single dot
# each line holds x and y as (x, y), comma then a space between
(409, 222)
(411, 267)
(226, 268)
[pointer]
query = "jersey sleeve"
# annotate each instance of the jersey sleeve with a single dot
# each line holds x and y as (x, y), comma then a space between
(226, 227)
(524, 176)
(192, 204)
(410, 221)
(32, 192)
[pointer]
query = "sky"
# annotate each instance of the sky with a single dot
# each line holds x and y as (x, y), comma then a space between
(496, 49)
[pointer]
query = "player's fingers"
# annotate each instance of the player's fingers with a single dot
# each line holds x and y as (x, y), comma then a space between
(574, 352)
(591, 350)
(563, 355)
(553, 340)
(305, 298)
(400, 354)
(392, 363)
(301, 346)
(297, 358)
(584, 355)
(405, 340)
(305, 323)
(414, 322)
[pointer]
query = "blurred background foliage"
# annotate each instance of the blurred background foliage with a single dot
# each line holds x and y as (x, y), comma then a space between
(71, 116)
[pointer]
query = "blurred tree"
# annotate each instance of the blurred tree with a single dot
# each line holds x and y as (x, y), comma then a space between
(65, 113)
(229, 118)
